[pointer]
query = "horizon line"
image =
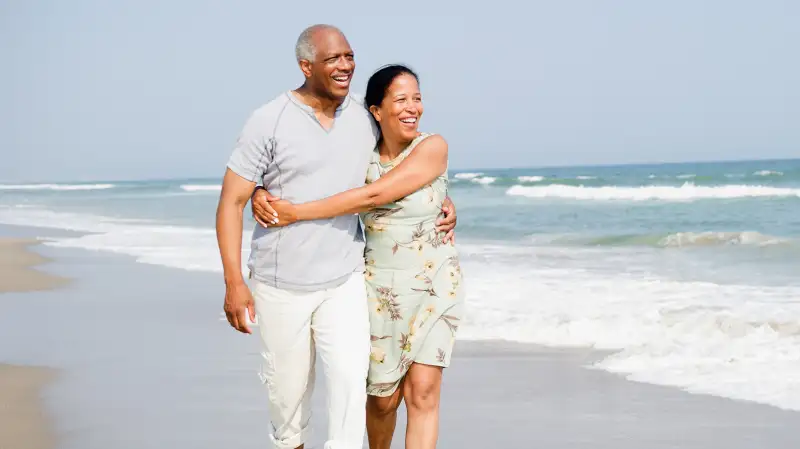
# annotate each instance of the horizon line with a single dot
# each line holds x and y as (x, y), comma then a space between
(535, 167)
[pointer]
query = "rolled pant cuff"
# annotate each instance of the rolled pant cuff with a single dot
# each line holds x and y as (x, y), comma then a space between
(292, 441)
(330, 444)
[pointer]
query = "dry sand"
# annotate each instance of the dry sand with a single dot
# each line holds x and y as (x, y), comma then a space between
(23, 423)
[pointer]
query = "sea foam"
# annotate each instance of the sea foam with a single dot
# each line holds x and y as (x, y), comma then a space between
(59, 187)
(733, 341)
(184, 247)
(686, 192)
(466, 175)
(201, 187)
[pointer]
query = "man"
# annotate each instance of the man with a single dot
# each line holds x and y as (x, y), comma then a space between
(307, 279)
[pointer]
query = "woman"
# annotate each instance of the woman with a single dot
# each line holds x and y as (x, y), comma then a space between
(413, 279)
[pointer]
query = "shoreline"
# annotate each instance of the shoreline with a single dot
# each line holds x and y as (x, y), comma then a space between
(204, 377)
(17, 268)
(24, 422)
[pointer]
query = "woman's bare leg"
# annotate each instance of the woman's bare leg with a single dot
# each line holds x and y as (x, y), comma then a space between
(421, 391)
(382, 418)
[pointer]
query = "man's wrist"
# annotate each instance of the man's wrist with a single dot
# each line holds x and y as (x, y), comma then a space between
(234, 281)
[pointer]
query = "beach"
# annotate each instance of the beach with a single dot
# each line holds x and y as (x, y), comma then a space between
(18, 271)
(24, 422)
(146, 361)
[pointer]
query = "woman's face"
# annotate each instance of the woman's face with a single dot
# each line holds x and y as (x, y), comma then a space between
(400, 110)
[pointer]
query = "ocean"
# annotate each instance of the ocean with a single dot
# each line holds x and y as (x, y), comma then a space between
(687, 274)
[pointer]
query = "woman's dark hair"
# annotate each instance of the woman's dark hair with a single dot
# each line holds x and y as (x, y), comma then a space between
(380, 81)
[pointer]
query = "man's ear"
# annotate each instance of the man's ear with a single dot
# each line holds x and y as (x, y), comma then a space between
(305, 66)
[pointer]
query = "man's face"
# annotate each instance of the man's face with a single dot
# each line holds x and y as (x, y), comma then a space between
(333, 66)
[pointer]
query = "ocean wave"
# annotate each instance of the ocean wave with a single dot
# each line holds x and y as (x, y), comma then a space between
(184, 247)
(201, 187)
(467, 176)
(748, 238)
(732, 341)
(64, 187)
(685, 192)
(767, 173)
(728, 340)
(484, 180)
(683, 239)
(497, 180)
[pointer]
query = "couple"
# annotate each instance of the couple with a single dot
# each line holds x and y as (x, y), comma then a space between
(381, 313)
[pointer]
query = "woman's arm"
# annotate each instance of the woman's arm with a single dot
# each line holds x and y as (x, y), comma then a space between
(422, 166)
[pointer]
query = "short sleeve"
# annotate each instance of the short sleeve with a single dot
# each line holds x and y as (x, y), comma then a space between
(250, 155)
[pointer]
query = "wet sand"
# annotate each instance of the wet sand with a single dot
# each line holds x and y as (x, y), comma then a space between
(24, 424)
(17, 268)
(23, 421)
(145, 362)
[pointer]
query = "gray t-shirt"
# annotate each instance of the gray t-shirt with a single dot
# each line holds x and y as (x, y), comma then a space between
(284, 146)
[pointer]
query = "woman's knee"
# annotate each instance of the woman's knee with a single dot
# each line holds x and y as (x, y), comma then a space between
(422, 388)
(383, 406)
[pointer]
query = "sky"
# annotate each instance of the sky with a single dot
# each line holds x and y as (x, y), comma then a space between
(152, 89)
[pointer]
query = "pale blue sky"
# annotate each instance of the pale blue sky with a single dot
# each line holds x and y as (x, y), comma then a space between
(110, 90)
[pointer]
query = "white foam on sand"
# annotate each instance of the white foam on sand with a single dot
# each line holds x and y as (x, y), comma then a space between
(686, 192)
(184, 247)
(734, 341)
(728, 340)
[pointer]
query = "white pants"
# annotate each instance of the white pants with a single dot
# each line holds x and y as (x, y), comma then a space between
(294, 326)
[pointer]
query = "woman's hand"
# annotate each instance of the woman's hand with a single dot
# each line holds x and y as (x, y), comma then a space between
(262, 210)
(447, 223)
(287, 213)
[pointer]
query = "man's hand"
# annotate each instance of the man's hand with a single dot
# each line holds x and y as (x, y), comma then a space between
(448, 222)
(238, 303)
(263, 212)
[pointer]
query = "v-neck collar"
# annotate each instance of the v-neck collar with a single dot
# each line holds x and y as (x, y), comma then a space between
(310, 111)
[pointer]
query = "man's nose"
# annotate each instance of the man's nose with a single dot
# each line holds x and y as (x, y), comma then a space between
(345, 64)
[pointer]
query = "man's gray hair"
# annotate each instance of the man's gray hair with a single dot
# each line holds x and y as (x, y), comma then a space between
(304, 49)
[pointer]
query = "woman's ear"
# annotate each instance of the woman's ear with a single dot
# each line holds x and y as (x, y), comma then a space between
(375, 113)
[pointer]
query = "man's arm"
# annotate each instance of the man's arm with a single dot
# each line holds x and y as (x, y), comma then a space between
(247, 163)
(230, 219)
